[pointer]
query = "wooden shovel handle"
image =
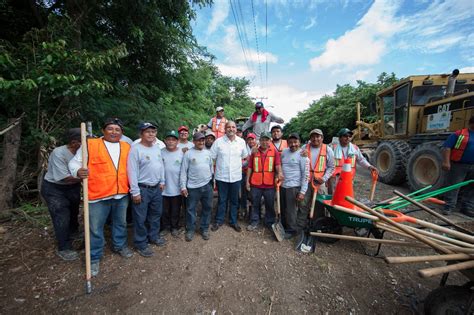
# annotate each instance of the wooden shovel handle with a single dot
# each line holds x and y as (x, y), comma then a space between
(85, 190)
(430, 272)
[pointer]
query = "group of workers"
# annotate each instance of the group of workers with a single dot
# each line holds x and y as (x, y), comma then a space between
(160, 178)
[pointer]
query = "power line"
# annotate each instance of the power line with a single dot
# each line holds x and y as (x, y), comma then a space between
(266, 48)
(256, 42)
(246, 39)
(240, 36)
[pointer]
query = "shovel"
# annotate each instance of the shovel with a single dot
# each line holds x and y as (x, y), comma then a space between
(85, 190)
(306, 243)
(277, 227)
(375, 177)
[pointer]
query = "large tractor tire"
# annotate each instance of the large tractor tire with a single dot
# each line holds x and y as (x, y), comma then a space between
(390, 158)
(424, 166)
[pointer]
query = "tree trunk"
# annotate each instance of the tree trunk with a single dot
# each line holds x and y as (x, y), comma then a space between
(11, 146)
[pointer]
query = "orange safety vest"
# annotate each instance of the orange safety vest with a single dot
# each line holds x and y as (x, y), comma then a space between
(320, 167)
(458, 150)
(218, 129)
(263, 173)
(339, 163)
(104, 179)
(283, 145)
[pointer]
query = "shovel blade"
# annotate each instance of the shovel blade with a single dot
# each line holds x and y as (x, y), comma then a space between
(279, 231)
(306, 243)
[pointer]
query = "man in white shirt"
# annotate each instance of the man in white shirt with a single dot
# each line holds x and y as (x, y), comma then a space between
(228, 151)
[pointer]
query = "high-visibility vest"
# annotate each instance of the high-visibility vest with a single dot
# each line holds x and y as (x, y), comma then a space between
(263, 173)
(339, 163)
(458, 150)
(283, 145)
(319, 168)
(104, 179)
(218, 129)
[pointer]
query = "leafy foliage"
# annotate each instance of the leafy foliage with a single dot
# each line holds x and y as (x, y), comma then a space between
(333, 112)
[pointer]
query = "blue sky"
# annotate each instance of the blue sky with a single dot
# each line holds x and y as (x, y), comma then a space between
(310, 46)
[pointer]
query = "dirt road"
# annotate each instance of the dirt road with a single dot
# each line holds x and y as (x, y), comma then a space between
(246, 272)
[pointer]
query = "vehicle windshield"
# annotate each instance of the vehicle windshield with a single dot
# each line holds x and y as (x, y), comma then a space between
(422, 94)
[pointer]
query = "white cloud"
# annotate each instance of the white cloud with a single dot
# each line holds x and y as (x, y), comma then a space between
(363, 45)
(311, 24)
(286, 101)
(289, 25)
(219, 14)
(235, 70)
(467, 70)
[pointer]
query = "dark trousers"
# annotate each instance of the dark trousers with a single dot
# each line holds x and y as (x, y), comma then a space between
(243, 192)
(171, 212)
(269, 199)
(204, 195)
(228, 192)
(460, 172)
(290, 208)
(146, 216)
(63, 205)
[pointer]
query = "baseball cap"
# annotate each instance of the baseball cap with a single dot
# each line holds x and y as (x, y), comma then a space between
(316, 131)
(183, 128)
(209, 132)
(265, 134)
(198, 136)
(258, 105)
(113, 121)
(252, 135)
(219, 108)
(294, 135)
(276, 127)
(172, 133)
(146, 125)
(344, 131)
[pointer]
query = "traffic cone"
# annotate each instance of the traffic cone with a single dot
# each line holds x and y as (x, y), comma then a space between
(344, 187)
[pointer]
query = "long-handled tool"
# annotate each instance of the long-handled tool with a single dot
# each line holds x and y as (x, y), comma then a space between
(277, 227)
(306, 243)
(433, 213)
(85, 190)
(375, 177)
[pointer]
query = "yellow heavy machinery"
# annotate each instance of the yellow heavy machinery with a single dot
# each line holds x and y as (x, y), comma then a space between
(415, 115)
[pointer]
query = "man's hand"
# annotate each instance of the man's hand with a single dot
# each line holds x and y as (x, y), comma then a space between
(280, 177)
(162, 187)
(446, 166)
(300, 197)
(137, 199)
(184, 193)
(318, 180)
(82, 173)
(373, 169)
(254, 150)
(247, 185)
(304, 153)
(184, 149)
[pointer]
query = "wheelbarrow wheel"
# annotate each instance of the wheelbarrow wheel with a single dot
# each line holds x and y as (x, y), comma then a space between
(326, 225)
(450, 299)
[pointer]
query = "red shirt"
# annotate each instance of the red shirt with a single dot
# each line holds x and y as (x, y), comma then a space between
(277, 161)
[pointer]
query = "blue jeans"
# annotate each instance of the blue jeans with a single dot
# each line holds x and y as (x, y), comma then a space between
(203, 194)
(269, 198)
(98, 213)
(243, 192)
(146, 216)
(227, 192)
(460, 172)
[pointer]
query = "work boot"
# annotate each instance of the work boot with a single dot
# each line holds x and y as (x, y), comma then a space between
(95, 269)
(174, 232)
(125, 252)
(68, 254)
(189, 236)
(161, 241)
(236, 227)
(164, 232)
(215, 227)
(205, 235)
(252, 227)
(145, 252)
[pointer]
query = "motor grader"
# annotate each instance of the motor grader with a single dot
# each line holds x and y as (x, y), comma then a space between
(414, 116)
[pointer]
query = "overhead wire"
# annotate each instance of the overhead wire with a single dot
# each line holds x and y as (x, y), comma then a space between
(240, 36)
(266, 49)
(256, 42)
(244, 33)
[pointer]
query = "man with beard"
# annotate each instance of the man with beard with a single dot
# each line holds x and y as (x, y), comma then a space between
(277, 140)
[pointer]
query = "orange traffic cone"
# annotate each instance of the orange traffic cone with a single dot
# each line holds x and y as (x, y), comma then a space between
(344, 187)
